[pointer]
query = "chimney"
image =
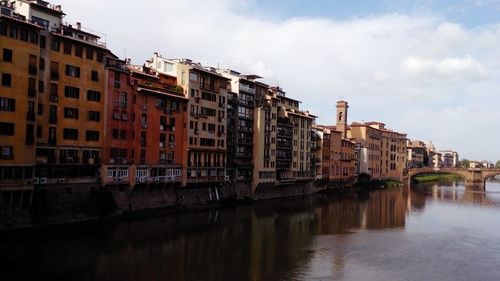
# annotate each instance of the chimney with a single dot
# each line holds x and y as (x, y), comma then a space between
(79, 25)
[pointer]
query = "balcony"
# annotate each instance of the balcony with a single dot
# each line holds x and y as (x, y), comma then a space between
(32, 69)
(69, 160)
(92, 161)
(246, 88)
(54, 98)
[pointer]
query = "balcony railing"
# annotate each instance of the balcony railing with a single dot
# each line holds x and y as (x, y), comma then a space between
(54, 98)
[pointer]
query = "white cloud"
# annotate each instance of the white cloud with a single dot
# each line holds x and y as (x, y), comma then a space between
(387, 66)
(459, 68)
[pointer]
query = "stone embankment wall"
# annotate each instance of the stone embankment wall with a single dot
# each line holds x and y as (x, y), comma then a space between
(76, 203)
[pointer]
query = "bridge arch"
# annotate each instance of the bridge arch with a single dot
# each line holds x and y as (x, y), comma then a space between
(474, 177)
(412, 173)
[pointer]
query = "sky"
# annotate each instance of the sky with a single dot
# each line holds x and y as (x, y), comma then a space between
(428, 68)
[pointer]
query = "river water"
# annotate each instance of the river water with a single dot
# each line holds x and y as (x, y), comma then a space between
(427, 232)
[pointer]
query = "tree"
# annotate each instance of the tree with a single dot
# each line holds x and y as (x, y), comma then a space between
(464, 163)
(497, 164)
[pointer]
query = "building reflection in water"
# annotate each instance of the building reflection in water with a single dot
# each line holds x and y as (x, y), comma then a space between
(272, 240)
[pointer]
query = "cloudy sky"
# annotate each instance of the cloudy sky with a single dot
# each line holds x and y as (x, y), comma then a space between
(427, 68)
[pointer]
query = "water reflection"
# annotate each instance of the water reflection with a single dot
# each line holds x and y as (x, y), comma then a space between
(297, 239)
(456, 192)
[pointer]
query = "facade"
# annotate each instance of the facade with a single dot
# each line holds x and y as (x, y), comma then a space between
(393, 151)
(417, 153)
(265, 136)
(19, 94)
(64, 71)
(317, 141)
(145, 116)
(294, 129)
(240, 116)
(369, 140)
(207, 92)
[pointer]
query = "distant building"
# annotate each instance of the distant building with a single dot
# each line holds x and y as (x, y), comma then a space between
(450, 159)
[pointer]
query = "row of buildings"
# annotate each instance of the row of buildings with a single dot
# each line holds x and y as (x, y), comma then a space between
(425, 155)
(71, 112)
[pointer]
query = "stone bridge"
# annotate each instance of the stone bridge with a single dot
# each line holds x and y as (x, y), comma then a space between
(474, 177)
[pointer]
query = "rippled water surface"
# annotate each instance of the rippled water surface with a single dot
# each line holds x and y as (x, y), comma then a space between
(427, 232)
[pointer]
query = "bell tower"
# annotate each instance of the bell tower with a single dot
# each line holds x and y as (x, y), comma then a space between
(341, 124)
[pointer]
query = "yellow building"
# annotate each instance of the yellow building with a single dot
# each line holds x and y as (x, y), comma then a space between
(19, 94)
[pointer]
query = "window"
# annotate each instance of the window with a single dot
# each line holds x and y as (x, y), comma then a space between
(31, 87)
(24, 35)
(13, 31)
(39, 131)
(67, 48)
(7, 55)
(6, 80)
(40, 109)
(94, 116)
(92, 136)
(93, 96)
(6, 152)
(89, 53)
(71, 113)
(94, 76)
(55, 45)
(72, 71)
(72, 92)
(41, 86)
(33, 37)
(41, 64)
(78, 50)
(6, 129)
(54, 70)
(70, 134)
(7, 104)
(119, 134)
(43, 41)
(41, 22)
(30, 134)
(100, 56)
(3, 29)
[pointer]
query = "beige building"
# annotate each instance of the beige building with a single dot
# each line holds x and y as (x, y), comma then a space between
(393, 151)
(299, 123)
(207, 91)
(265, 135)
(369, 140)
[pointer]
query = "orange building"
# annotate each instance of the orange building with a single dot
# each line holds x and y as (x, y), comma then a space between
(70, 123)
(146, 113)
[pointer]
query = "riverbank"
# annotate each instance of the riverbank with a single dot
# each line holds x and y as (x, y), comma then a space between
(377, 184)
(425, 178)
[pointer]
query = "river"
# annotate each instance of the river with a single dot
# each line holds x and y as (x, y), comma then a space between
(427, 232)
